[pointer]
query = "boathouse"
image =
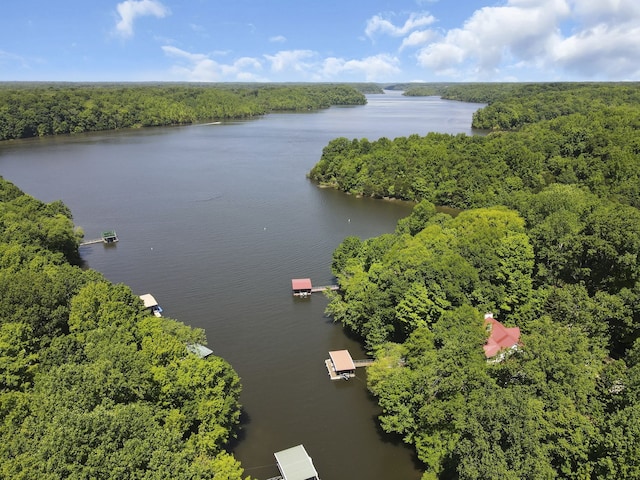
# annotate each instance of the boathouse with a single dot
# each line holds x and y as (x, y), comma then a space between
(109, 236)
(150, 302)
(301, 286)
(295, 464)
(340, 364)
(501, 339)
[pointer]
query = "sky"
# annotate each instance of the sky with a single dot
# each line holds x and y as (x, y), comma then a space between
(320, 40)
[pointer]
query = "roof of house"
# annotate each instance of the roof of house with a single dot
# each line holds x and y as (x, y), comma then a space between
(301, 284)
(295, 464)
(500, 338)
(148, 300)
(342, 360)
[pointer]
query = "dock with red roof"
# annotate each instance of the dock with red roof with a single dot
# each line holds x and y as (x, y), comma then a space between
(302, 287)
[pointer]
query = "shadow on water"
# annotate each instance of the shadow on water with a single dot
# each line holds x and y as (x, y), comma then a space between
(239, 433)
(395, 439)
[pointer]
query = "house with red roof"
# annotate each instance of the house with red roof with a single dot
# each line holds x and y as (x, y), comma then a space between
(501, 339)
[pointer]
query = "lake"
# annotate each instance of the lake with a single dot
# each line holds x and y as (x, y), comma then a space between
(215, 221)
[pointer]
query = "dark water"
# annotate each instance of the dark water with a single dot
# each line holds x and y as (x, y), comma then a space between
(214, 221)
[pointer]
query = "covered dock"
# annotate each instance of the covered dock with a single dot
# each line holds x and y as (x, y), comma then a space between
(150, 302)
(301, 287)
(340, 365)
(295, 464)
(109, 236)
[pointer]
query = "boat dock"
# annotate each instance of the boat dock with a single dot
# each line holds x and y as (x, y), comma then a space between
(151, 304)
(108, 237)
(302, 287)
(341, 366)
(295, 464)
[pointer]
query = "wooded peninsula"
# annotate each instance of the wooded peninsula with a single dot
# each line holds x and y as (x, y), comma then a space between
(30, 110)
(546, 241)
(545, 238)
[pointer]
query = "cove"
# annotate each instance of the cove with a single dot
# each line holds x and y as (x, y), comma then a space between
(215, 221)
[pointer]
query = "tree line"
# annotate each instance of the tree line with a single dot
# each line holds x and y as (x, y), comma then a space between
(586, 136)
(91, 384)
(29, 110)
(547, 239)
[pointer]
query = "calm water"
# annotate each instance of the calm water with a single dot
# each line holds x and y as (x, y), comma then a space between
(214, 221)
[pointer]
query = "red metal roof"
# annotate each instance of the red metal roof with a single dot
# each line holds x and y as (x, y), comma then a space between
(500, 338)
(301, 284)
(342, 360)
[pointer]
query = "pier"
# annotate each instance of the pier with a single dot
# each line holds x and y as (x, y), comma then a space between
(367, 362)
(323, 288)
(91, 242)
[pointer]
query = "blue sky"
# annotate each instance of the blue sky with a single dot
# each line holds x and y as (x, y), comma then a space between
(320, 41)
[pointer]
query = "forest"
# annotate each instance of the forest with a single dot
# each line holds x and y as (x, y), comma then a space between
(39, 109)
(92, 385)
(585, 136)
(545, 235)
(543, 232)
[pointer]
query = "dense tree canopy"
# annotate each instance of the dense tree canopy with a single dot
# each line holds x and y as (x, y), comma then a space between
(587, 136)
(28, 110)
(547, 239)
(546, 236)
(91, 384)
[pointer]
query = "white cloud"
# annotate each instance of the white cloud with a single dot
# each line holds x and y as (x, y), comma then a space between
(526, 36)
(177, 52)
(278, 39)
(378, 24)
(417, 38)
(285, 65)
(442, 57)
(129, 10)
(307, 65)
(492, 34)
(381, 67)
(602, 52)
(199, 67)
(296, 60)
(606, 11)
